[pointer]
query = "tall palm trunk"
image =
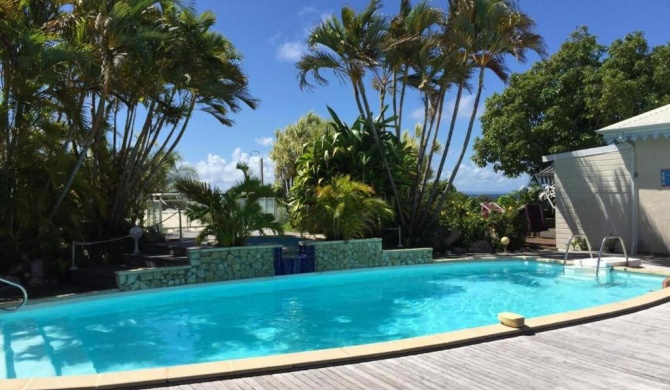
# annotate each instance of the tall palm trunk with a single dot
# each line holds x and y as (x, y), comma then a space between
(382, 151)
(443, 159)
(466, 142)
(95, 129)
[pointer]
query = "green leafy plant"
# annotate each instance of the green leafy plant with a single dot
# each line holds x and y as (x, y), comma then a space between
(344, 209)
(229, 215)
(463, 215)
(349, 151)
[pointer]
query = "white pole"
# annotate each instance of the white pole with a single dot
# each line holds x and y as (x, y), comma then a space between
(73, 254)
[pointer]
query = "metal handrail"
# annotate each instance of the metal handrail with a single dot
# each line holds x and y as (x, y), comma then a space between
(23, 290)
(567, 247)
(602, 245)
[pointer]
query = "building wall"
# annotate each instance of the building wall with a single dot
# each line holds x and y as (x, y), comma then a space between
(652, 155)
(593, 196)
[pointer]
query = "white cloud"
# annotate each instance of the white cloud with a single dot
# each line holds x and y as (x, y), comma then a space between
(264, 141)
(417, 115)
(221, 172)
(471, 178)
(464, 110)
(291, 46)
(291, 51)
(308, 11)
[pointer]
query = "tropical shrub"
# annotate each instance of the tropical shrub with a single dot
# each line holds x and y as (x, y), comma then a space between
(349, 151)
(344, 209)
(229, 215)
(463, 218)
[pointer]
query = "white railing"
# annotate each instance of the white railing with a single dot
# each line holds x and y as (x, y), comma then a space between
(23, 291)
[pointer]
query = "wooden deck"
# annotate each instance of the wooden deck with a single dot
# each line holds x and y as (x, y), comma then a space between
(626, 352)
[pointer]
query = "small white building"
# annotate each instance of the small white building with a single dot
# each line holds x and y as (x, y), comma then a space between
(620, 189)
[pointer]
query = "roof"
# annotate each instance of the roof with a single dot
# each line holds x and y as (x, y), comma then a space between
(585, 152)
(654, 124)
(546, 171)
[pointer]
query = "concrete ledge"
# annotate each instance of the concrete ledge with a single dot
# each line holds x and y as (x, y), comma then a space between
(138, 271)
(328, 243)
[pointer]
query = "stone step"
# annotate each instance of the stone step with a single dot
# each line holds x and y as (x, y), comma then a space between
(165, 248)
(151, 261)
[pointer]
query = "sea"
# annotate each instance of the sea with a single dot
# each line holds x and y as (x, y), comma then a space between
(491, 195)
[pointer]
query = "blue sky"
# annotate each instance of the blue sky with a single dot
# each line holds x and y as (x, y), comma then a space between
(270, 34)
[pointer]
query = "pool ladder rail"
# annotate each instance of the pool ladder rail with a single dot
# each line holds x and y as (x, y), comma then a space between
(600, 252)
(23, 291)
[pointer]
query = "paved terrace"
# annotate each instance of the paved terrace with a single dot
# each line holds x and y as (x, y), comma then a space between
(627, 352)
(631, 351)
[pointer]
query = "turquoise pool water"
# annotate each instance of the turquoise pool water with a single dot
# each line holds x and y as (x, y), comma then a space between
(289, 314)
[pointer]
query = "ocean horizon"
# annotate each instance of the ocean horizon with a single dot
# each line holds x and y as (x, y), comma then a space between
(492, 195)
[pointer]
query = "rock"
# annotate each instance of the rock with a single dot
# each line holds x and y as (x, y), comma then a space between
(481, 246)
(37, 268)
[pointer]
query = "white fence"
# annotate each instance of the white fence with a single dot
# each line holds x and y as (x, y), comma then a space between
(166, 212)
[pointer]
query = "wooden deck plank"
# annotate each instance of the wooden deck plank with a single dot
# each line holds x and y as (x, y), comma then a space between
(586, 364)
(409, 377)
(427, 377)
(473, 365)
(316, 380)
(231, 384)
(376, 371)
(624, 352)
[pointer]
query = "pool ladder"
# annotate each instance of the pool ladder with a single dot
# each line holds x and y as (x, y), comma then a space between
(600, 252)
(23, 291)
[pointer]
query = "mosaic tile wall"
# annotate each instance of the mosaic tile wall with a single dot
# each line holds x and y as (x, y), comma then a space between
(220, 264)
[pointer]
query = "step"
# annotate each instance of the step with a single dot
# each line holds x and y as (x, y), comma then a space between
(164, 249)
(609, 261)
(42, 349)
(151, 261)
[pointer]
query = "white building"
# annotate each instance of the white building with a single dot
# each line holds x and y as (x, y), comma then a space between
(620, 189)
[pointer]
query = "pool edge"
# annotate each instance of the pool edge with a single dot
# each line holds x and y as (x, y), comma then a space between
(352, 354)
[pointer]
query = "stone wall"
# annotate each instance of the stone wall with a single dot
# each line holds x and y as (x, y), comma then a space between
(408, 256)
(352, 254)
(206, 265)
(338, 255)
(145, 278)
(219, 264)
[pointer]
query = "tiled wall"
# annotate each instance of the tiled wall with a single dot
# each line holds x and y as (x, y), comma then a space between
(207, 265)
(219, 264)
(339, 255)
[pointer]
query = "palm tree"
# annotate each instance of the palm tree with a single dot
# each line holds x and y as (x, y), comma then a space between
(411, 32)
(200, 70)
(31, 60)
(487, 31)
(350, 47)
(231, 216)
(152, 64)
(113, 32)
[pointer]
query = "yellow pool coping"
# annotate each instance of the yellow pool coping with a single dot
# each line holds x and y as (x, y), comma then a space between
(351, 354)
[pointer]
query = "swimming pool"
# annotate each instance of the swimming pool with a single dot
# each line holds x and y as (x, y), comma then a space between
(270, 316)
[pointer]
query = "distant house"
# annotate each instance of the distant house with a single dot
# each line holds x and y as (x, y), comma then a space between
(619, 189)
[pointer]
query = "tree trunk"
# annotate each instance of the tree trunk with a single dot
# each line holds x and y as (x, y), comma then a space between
(375, 135)
(465, 146)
